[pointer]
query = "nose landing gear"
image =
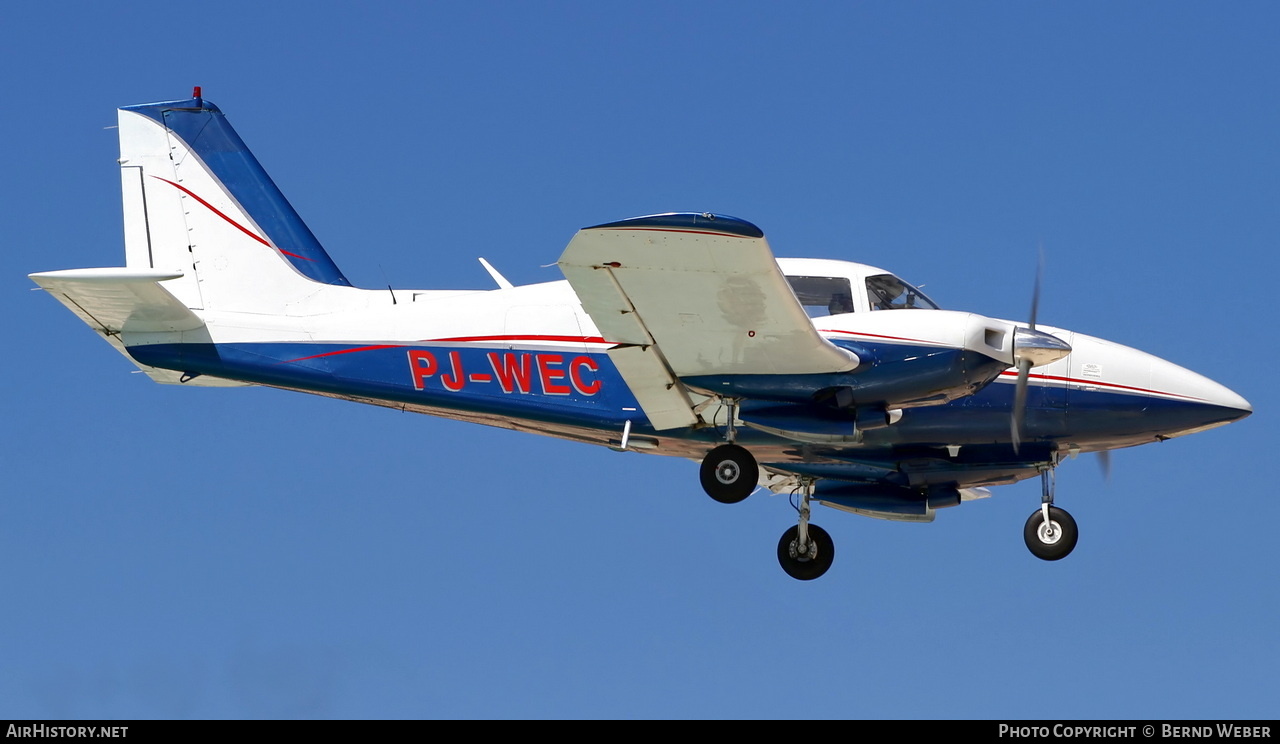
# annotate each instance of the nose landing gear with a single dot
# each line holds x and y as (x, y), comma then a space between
(1050, 532)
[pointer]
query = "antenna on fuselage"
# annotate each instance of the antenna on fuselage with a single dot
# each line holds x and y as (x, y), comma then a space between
(499, 278)
(389, 289)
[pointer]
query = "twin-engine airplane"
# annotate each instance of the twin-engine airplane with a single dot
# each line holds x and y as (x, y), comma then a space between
(674, 334)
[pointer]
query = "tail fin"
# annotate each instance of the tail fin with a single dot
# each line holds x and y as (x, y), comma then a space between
(197, 201)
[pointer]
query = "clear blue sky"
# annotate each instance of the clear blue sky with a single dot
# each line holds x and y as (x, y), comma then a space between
(175, 553)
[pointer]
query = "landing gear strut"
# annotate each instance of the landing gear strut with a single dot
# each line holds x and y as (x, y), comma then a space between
(806, 550)
(1050, 532)
(729, 472)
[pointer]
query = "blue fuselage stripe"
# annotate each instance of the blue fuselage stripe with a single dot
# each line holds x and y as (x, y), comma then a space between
(571, 385)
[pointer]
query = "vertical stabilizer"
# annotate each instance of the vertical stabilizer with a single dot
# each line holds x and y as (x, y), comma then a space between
(196, 200)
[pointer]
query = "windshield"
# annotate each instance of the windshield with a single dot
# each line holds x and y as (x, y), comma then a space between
(888, 292)
(823, 295)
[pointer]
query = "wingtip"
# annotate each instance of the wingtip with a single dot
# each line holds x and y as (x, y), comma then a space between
(698, 221)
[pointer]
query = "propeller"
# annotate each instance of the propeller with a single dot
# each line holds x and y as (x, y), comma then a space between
(1031, 348)
(1023, 364)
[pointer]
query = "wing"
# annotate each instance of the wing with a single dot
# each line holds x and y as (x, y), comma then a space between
(692, 294)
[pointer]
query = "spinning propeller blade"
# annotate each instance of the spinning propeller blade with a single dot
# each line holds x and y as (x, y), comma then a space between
(1020, 403)
(1104, 462)
(1035, 291)
(1024, 364)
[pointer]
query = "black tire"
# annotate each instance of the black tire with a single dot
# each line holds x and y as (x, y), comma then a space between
(729, 473)
(805, 568)
(1057, 546)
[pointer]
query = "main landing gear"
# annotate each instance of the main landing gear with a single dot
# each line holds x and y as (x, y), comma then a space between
(1050, 532)
(729, 475)
(806, 550)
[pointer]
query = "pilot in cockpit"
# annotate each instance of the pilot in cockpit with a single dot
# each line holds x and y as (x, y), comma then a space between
(841, 302)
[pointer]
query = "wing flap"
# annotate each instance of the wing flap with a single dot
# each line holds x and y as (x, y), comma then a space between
(662, 397)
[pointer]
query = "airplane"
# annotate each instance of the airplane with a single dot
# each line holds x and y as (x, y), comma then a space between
(674, 334)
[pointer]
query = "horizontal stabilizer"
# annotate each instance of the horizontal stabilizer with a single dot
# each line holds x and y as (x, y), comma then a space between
(118, 300)
(128, 300)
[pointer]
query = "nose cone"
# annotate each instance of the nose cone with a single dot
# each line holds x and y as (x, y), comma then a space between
(1216, 403)
(1122, 396)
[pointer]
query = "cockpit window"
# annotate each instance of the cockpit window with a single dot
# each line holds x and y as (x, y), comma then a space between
(888, 292)
(823, 295)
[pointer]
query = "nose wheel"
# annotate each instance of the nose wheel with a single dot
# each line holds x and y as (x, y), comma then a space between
(1050, 532)
(1053, 538)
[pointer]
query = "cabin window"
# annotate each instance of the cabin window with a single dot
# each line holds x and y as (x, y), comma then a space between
(888, 292)
(823, 295)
